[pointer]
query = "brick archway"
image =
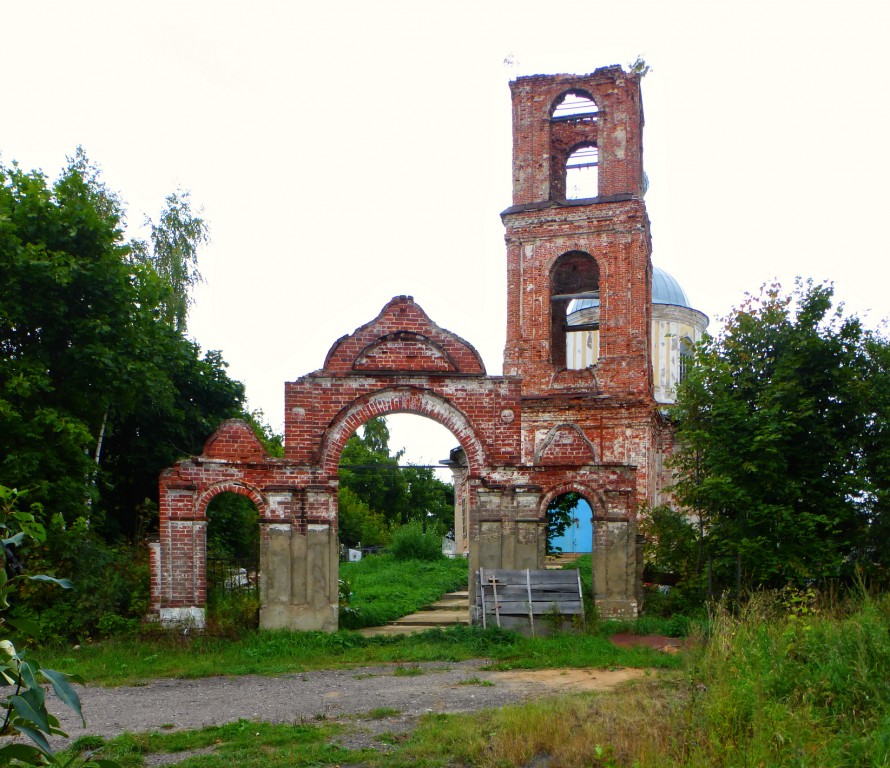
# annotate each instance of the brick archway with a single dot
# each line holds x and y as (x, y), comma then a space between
(204, 497)
(411, 400)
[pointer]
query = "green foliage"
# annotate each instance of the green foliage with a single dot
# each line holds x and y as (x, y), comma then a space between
(109, 592)
(673, 559)
(382, 588)
(357, 522)
(97, 392)
(778, 686)
(417, 541)
(639, 66)
(380, 495)
(559, 518)
(23, 703)
(233, 529)
(232, 612)
(173, 256)
(777, 420)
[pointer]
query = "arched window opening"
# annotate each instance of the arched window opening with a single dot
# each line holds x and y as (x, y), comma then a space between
(582, 173)
(583, 332)
(574, 311)
(233, 562)
(575, 106)
(686, 354)
(569, 525)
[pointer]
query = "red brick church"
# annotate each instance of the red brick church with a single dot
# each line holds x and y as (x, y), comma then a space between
(575, 409)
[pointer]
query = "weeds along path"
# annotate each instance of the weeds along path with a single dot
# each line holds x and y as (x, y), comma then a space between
(408, 690)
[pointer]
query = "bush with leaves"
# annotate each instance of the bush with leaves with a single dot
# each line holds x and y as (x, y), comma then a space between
(416, 541)
(110, 585)
(23, 703)
(783, 426)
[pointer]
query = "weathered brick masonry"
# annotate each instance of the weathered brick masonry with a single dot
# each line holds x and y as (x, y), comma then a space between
(538, 431)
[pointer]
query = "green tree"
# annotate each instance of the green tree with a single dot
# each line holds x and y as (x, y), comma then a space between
(357, 523)
(173, 255)
(374, 477)
(98, 392)
(774, 423)
(559, 518)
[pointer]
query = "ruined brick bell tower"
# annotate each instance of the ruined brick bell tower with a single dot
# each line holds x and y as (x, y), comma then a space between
(579, 279)
(578, 230)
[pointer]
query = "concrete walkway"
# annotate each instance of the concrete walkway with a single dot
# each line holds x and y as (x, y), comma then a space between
(448, 610)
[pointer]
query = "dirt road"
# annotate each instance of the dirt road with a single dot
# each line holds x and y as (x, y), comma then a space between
(410, 690)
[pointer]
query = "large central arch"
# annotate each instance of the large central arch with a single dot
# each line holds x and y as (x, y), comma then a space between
(419, 402)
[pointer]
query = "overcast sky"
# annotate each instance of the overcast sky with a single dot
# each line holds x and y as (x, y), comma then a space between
(348, 152)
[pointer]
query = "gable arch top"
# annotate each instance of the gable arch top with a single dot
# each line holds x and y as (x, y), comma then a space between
(235, 441)
(402, 339)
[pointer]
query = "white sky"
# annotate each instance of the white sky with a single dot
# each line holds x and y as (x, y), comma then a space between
(348, 152)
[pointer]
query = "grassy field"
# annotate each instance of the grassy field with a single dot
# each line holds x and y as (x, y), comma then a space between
(131, 660)
(788, 682)
(776, 686)
(383, 588)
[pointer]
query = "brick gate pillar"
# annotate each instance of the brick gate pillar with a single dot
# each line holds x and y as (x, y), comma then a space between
(615, 555)
(179, 562)
(508, 531)
(299, 589)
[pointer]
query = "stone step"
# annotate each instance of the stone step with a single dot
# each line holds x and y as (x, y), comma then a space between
(449, 603)
(450, 609)
(435, 618)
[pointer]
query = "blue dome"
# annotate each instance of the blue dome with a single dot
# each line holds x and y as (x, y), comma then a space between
(666, 290)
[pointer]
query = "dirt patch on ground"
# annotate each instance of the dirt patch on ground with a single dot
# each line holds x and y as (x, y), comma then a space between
(658, 642)
(558, 680)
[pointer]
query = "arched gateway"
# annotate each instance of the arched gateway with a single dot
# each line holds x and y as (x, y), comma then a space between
(553, 423)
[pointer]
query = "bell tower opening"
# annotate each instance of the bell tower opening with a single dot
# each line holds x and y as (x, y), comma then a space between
(574, 276)
(582, 173)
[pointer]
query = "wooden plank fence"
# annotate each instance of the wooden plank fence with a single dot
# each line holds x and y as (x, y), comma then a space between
(524, 599)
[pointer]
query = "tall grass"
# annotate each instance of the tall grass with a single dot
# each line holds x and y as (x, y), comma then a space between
(783, 684)
(779, 685)
(383, 588)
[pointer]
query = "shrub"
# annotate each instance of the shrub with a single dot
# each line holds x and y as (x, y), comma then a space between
(416, 541)
(232, 612)
(110, 585)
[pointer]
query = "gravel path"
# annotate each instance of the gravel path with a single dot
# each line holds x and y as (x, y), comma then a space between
(411, 690)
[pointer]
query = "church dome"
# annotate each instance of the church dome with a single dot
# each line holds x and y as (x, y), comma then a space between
(666, 289)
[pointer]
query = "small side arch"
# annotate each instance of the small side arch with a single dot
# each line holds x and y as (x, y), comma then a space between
(229, 486)
(593, 498)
